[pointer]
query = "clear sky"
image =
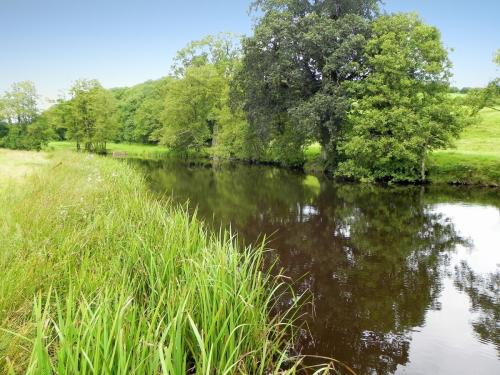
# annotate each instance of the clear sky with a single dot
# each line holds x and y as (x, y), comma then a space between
(124, 42)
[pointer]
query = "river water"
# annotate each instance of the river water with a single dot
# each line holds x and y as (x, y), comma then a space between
(403, 280)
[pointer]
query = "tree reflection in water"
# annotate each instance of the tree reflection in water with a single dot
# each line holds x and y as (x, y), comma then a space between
(484, 294)
(373, 258)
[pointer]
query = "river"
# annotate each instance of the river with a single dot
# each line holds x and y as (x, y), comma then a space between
(402, 280)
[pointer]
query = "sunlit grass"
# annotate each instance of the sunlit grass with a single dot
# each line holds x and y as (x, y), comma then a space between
(17, 164)
(98, 277)
(133, 149)
(476, 157)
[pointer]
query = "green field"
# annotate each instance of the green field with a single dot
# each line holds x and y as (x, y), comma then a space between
(132, 149)
(475, 159)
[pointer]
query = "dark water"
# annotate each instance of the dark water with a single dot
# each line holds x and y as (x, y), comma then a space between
(404, 280)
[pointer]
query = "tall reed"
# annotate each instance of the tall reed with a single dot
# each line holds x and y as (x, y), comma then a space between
(100, 278)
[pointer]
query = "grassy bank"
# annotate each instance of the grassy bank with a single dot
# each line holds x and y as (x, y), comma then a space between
(98, 277)
(476, 157)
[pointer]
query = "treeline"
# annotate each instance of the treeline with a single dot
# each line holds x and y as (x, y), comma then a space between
(21, 126)
(371, 89)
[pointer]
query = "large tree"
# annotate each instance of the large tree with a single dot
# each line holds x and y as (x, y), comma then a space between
(189, 118)
(295, 66)
(21, 103)
(197, 107)
(402, 109)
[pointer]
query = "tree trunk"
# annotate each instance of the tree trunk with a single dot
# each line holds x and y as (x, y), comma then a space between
(324, 140)
(324, 155)
(422, 169)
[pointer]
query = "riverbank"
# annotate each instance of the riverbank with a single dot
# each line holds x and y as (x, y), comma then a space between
(99, 277)
(475, 159)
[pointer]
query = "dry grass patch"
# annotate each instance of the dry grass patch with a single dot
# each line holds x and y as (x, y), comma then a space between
(18, 164)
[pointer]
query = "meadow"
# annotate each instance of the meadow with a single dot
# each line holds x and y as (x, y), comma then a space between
(100, 277)
(132, 149)
(475, 159)
(18, 164)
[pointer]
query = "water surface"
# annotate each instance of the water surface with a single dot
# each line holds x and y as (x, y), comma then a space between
(404, 280)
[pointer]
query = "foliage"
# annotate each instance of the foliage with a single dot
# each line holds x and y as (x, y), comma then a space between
(20, 103)
(88, 116)
(334, 9)
(21, 126)
(139, 109)
(147, 117)
(488, 97)
(188, 118)
(403, 109)
(294, 67)
(221, 50)
(126, 284)
(39, 133)
(231, 138)
(198, 110)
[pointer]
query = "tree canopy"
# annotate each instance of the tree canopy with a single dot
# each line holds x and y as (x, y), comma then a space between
(90, 115)
(21, 126)
(402, 108)
(294, 68)
(372, 90)
(197, 108)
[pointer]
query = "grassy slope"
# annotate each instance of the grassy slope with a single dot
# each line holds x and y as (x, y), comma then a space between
(98, 277)
(476, 157)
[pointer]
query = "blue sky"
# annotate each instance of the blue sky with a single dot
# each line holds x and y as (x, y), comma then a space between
(124, 42)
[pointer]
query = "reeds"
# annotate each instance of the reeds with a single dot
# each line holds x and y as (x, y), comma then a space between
(100, 278)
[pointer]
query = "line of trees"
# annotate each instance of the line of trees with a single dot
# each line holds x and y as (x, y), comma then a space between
(371, 89)
(21, 125)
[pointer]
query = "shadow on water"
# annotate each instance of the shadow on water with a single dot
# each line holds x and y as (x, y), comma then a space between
(373, 258)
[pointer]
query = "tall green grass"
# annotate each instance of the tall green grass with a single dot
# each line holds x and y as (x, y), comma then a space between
(100, 278)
